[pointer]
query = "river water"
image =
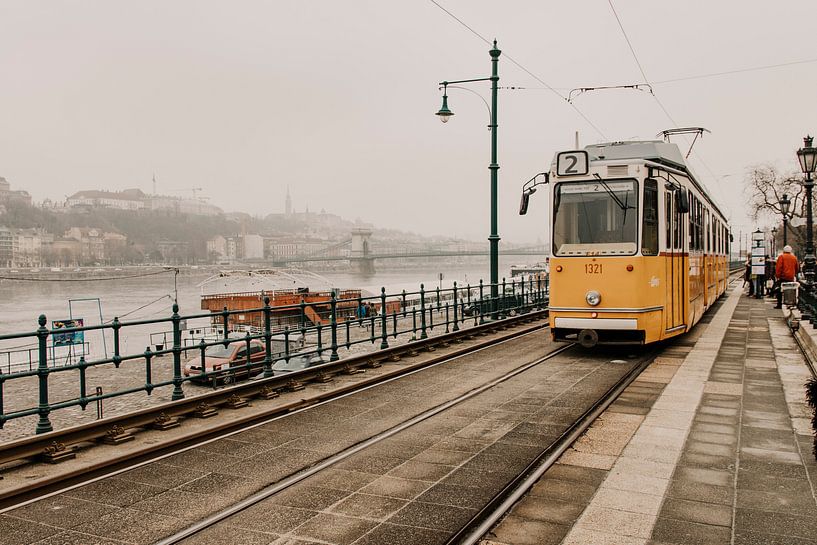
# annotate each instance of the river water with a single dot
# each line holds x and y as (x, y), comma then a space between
(151, 297)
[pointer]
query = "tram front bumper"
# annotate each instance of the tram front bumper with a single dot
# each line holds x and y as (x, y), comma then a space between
(591, 331)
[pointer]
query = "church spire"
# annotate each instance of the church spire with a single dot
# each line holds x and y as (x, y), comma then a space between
(288, 205)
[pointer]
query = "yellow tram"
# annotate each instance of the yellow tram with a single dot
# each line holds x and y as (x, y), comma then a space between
(638, 249)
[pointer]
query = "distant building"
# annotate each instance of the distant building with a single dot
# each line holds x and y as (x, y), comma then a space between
(92, 243)
(29, 245)
(253, 246)
(217, 248)
(175, 252)
(6, 247)
(9, 196)
(129, 199)
(136, 199)
(196, 207)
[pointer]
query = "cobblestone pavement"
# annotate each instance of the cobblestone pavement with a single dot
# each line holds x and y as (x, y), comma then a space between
(715, 449)
(23, 393)
(414, 488)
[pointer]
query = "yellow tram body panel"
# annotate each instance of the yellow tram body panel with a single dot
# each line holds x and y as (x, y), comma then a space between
(633, 300)
(639, 302)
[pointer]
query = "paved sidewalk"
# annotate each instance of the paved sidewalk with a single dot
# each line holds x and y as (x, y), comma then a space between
(709, 448)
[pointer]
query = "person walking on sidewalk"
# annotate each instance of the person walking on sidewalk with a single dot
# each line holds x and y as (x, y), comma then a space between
(785, 271)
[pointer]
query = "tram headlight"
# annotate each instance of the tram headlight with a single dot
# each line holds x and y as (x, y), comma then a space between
(593, 298)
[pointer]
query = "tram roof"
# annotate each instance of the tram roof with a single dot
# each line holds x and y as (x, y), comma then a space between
(656, 150)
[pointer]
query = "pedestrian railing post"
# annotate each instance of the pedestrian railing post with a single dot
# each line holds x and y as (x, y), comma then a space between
(83, 383)
(423, 334)
(384, 333)
(148, 370)
(225, 321)
(522, 302)
(456, 322)
(447, 330)
(404, 303)
(286, 344)
(333, 323)
(267, 338)
(320, 338)
(302, 318)
(503, 301)
(116, 325)
(178, 393)
(43, 408)
(481, 301)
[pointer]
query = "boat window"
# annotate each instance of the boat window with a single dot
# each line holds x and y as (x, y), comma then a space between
(649, 229)
(256, 348)
(219, 351)
(596, 217)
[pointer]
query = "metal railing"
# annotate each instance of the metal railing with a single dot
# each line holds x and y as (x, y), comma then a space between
(26, 359)
(324, 329)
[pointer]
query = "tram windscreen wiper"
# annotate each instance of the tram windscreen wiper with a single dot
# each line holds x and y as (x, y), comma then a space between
(623, 205)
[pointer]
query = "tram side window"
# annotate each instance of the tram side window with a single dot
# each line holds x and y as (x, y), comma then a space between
(649, 228)
(668, 218)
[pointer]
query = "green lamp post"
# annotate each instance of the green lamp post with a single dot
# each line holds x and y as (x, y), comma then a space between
(445, 114)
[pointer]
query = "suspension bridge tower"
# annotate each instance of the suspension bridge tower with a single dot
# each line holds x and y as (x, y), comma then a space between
(360, 252)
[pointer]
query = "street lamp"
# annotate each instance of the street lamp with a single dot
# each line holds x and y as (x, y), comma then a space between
(445, 114)
(807, 156)
(785, 204)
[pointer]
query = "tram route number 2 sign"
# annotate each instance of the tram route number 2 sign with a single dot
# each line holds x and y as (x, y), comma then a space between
(69, 337)
(571, 163)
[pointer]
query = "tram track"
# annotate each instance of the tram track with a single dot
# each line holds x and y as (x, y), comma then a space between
(130, 459)
(473, 530)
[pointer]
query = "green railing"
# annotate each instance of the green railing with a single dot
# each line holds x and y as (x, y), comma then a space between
(414, 313)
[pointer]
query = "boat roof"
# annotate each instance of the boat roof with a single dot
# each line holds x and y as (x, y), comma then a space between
(266, 280)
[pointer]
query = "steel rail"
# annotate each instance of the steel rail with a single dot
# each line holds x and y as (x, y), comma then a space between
(475, 530)
(132, 459)
(485, 519)
(36, 445)
(334, 459)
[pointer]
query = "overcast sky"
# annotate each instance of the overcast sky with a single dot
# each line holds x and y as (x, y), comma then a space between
(336, 99)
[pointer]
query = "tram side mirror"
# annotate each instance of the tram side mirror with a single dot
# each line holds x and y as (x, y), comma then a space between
(731, 237)
(529, 188)
(683, 201)
(523, 205)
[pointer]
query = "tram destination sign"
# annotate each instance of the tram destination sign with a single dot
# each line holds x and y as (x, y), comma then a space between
(594, 187)
(572, 163)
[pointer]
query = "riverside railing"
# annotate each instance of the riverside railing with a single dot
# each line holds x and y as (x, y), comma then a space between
(316, 335)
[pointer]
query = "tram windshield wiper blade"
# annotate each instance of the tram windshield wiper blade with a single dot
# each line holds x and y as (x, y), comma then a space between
(623, 206)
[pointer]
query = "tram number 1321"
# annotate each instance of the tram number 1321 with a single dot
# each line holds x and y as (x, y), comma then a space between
(592, 268)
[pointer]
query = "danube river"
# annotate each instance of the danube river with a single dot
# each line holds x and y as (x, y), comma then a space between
(151, 297)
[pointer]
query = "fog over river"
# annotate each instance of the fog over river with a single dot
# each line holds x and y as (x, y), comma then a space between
(151, 297)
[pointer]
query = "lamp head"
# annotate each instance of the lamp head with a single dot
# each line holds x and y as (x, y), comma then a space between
(444, 112)
(807, 156)
(785, 203)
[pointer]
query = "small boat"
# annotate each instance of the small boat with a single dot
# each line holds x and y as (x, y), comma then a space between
(298, 299)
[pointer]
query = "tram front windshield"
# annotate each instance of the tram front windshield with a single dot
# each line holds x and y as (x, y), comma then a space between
(598, 217)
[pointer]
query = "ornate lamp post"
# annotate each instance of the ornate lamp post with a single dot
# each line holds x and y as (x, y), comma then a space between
(807, 156)
(445, 113)
(785, 203)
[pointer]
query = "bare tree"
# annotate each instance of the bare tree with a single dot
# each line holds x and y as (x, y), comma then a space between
(765, 186)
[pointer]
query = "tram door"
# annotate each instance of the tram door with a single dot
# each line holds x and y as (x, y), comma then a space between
(674, 281)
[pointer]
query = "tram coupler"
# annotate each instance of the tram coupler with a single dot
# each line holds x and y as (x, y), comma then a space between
(588, 338)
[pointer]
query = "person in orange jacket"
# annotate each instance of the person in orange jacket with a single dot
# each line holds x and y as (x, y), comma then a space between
(785, 271)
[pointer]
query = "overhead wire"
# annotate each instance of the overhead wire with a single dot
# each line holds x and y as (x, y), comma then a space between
(654, 95)
(523, 68)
